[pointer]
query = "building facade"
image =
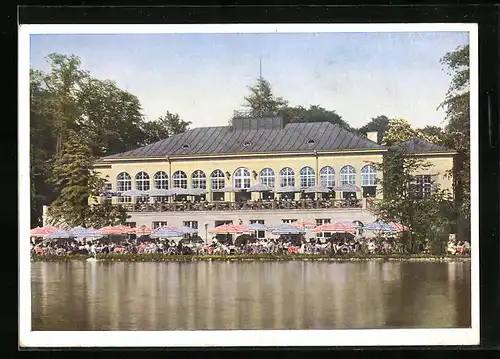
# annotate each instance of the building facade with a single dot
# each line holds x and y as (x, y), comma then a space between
(257, 170)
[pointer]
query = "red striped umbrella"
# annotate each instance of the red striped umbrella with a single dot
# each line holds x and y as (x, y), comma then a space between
(398, 227)
(142, 231)
(115, 230)
(43, 231)
(335, 227)
(229, 229)
(304, 224)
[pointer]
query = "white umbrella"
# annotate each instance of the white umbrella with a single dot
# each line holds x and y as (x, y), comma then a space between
(60, 234)
(165, 232)
(317, 189)
(186, 230)
(259, 188)
(287, 189)
(228, 188)
(134, 192)
(158, 192)
(257, 227)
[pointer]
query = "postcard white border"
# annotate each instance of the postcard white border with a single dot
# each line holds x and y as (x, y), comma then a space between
(368, 337)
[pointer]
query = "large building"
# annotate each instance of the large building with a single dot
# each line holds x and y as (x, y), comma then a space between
(258, 170)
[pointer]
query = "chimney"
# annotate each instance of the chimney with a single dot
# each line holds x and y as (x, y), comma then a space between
(372, 136)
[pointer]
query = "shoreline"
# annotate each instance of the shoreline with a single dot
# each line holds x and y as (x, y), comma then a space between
(259, 257)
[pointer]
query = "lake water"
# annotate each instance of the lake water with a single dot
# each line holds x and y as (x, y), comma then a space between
(249, 295)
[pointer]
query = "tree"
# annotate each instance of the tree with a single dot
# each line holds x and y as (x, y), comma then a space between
(378, 124)
(434, 132)
(400, 130)
(457, 130)
(164, 127)
(262, 101)
(314, 113)
(76, 182)
(403, 202)
(425, 216)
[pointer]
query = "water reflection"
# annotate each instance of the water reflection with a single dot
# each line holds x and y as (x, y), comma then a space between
(249, 295)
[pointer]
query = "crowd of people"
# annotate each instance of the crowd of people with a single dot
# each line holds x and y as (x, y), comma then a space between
(245, 244)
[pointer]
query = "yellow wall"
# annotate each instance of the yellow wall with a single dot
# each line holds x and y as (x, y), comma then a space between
(253, 164)
(440, 165)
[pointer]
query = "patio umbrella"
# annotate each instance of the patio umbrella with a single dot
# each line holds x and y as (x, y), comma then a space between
(317, 189)
(115, 230)
(108, 193)
(165, 232)
(378, 226)
(257, 227)
(141, 231)
(347, 188)
(134, 193)
(89, 233)
(196, 191)
(259, 188)
(335, 227)
(287, 189)
(287, 229)
(398, 227)
(229, 229)
(159, 192)
(42, 231)
(186, 230)
(59, 234)
(77, 230)
(304, 224)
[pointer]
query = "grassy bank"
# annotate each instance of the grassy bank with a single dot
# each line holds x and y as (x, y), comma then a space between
(249, 257)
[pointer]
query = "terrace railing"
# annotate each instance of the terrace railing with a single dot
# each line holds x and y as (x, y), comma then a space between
(250, 205)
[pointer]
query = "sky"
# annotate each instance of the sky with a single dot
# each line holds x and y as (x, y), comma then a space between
(204, 77)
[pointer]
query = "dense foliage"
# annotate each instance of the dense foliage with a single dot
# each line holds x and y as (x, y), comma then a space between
(66, 100)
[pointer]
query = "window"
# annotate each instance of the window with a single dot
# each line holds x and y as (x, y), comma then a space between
(124, 183)
(287, 177)
(131, 224)
(142, 184)
(307, 177)
(242, 178)
(142, 181)
(289, 221)
(218, 181)
(191, 224)
(179, 180)
(108, 187)
(423, 186)
(347, 175)
(267, 177)
(161, 180)
(158, 224)
(198, 179)
(368, 175)
(259, 234)
(320, 222)
(327, 177)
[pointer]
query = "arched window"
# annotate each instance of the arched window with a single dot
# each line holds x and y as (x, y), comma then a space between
(287, 177)
(161, 180)
(267, 177)
(327, 176)
(124, 183)
(242, 178)
(307, 177)
(368, 175)
(179, 180)
(198, 179)
(142, 181)
(348, 175)
(217, 178)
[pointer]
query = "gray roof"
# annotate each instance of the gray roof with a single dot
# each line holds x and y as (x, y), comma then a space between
(294, 137)
(417, 145)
